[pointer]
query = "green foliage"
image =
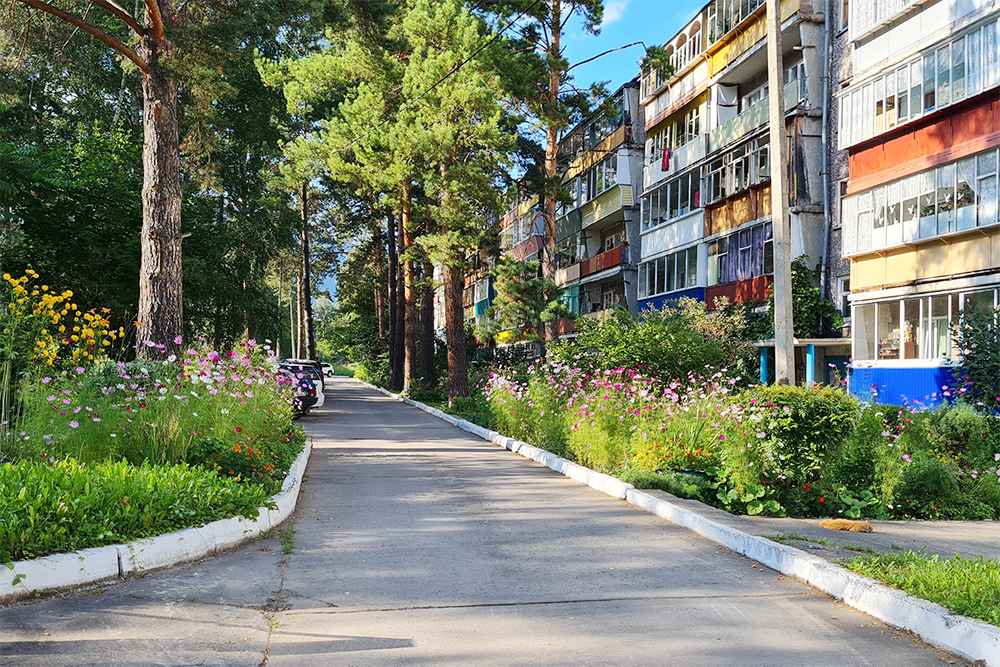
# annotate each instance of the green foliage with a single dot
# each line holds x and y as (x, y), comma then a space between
(979, 372)
(804, 428)
(693, 487)
(669, 343)
(263, 463)
(812, 315)
(65, 506)
(970, 587)
(522, 303)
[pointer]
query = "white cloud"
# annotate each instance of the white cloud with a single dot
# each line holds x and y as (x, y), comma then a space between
(613, 11)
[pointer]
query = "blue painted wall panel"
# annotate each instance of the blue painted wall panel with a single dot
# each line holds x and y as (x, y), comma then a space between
(657, 301)
(899, 386)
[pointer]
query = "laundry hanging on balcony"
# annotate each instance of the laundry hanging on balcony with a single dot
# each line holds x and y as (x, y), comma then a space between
(665, 163)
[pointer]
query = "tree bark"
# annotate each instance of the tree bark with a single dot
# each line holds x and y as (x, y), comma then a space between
(377, 267)
(410, 326)
(160, 313)
(458, 363)
(427, 326)
(551, 167)
(307, 314)
(395, 348)
(299, 330)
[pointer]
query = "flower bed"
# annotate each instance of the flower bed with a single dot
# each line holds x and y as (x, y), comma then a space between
(775, 450)
(94, 451)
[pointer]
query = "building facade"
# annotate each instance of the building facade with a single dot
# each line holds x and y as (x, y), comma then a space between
(919, 119)
(706, 218)
(597, 230)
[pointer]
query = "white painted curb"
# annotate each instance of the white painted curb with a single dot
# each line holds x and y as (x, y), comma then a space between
(121, 560)
(965, 637)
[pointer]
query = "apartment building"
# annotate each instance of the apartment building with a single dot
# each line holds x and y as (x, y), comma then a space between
(706, 202)
(597, 231)
(919, 119)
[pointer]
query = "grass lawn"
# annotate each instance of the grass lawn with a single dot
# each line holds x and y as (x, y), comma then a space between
(966, 586)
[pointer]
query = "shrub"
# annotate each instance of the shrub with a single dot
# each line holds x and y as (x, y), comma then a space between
(926, 478)
(694, 487)
(979, 373)
(669, 343)
(65, 506)
(264, 463)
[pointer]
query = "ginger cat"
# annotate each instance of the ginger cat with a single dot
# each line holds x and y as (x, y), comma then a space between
(847, 524)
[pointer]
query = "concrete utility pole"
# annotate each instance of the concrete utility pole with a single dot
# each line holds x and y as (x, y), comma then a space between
(784, 337)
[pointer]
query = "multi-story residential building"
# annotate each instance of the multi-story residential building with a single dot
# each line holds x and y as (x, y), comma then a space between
(597, 232)
(706, 203)
(920, 121)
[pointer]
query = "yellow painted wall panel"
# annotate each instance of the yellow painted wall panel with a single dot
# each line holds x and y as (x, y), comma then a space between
(742, 40)
(933, 260)
(970, 254)
(900, 266)
(867, 273)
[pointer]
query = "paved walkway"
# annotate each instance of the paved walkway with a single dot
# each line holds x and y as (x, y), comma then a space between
(416, 543)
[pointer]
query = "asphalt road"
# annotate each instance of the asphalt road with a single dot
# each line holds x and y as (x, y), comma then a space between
(416, 543)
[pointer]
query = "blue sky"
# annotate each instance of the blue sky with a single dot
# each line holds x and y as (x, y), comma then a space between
(625, 21)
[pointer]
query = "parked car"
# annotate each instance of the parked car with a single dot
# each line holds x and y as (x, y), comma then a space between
(328, 369)
(308, 371)
(306, 365)
(306, 395)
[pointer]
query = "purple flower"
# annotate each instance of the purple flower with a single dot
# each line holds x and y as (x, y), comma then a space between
(46, 380)
(906, 457)
(178, 340)
(74, 424)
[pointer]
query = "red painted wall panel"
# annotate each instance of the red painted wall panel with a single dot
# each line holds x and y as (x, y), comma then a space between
(752, 290)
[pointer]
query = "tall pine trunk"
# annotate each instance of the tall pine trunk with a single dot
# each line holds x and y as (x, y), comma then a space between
(410, 327)
(160, 314)
(394, 380)
(551, 166)
(458, 363)
(307, 314)
(427, 326)
(377, 267)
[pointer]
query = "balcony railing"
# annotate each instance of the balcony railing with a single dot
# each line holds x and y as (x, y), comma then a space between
(605, 260)
(753, 118)
(683, 157)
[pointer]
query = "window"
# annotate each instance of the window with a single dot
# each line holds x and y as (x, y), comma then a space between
(844, 297)
(844, 13)
(670, 273)
(744, 254)
(914, 328)
(950, 198)
(671, 200)
(753, 97)
(944, 75)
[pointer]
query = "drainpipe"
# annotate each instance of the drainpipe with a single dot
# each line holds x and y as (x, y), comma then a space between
(825, 174)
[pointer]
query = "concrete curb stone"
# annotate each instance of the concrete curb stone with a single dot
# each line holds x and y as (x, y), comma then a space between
(113, 562)
(963, 636)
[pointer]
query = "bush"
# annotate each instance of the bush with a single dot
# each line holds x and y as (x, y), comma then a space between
(66, 506)
(669, 343)
(263, 463)
(926, 479)
(693, 487)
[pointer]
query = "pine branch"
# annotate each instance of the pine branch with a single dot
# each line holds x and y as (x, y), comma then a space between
(90, 30)
(155, 21)
(116, 10)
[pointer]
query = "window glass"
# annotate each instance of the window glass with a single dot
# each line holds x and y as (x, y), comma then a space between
(929, 86)
(945, 198)
(863, 326)
(692, 264)
(671, 283)
(944, 77)
(965, 194)
(661, 275)
(916, 76)
(890, 101)
(879, 105)
(888, 330)
(928, 205)
(958, 70)
(978, 301)
(937, 328)
(911, 328)
(902, 99)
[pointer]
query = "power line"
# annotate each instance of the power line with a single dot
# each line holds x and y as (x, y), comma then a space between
(444, 78)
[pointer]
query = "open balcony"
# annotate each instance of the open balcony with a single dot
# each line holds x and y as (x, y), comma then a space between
(753, 118)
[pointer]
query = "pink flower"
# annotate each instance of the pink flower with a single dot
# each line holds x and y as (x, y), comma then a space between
(178, 340)
(906, 457)
(74, 424)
